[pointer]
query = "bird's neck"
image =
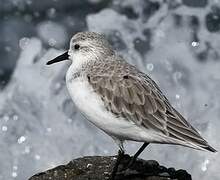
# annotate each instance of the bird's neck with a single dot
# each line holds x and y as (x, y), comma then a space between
(79, 66)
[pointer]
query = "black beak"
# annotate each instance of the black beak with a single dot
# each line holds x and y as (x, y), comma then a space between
(59, 58)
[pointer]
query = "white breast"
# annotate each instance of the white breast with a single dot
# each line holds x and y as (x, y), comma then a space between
(91, 105)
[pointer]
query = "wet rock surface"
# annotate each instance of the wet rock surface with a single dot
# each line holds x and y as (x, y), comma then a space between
(99, 168)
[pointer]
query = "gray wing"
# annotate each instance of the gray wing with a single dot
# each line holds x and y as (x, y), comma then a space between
(136, 97)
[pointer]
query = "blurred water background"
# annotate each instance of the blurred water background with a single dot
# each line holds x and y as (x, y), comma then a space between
(176, 42)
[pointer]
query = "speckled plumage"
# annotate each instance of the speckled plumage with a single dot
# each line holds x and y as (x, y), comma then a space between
(133, 95)
(122, 101)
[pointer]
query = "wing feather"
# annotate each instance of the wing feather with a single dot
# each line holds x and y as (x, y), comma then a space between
(134, 96)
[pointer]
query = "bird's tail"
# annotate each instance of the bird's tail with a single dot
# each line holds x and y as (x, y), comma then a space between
(209, 148)
(186, 135)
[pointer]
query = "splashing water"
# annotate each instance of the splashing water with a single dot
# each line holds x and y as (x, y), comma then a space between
(40, 127)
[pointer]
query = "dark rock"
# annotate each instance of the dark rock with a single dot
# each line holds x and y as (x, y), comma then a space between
(165, 174)
(182, 175)
(99, 168)
(162, 169)
(152, 163)
(213, 21)
(171, 171)
(152, 166)
(195, 3)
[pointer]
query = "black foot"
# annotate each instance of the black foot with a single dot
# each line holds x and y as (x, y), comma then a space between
(134, 158)
(115, 169)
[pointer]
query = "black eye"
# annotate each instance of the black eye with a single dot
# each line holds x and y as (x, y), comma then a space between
(76, 46)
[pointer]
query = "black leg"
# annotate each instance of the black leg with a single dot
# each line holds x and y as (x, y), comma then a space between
(137, 154)
(115, 169)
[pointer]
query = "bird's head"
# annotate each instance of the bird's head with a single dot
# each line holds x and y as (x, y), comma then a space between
(86, 46)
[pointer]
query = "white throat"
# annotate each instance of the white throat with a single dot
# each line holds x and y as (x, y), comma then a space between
(80, 59)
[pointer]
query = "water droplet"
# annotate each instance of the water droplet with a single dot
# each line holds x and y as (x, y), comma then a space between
(49, 129)
(37, 157)
(195, 44)
(15, 117)
(150, 67)
(177, 75)
(69, 120)
(14, 174)
(177, 96)
(21, 139)
(4, 128)
(204, 165)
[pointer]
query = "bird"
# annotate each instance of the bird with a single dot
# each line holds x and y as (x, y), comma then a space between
(121, 100)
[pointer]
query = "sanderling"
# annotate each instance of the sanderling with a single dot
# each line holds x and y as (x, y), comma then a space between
(122, 101)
